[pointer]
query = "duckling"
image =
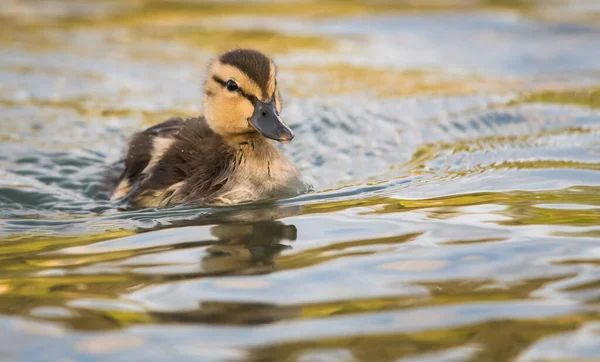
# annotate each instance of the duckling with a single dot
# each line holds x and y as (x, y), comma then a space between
(225, 157)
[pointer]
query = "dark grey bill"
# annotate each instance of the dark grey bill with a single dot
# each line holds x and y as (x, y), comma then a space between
(266, 121)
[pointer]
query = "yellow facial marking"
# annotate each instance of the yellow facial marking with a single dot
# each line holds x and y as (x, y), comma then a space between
(227, 72)
(227, 112)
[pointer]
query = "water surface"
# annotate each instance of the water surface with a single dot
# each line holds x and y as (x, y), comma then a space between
(454, 153)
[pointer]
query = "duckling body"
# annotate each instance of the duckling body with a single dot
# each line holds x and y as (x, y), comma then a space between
(225, 157)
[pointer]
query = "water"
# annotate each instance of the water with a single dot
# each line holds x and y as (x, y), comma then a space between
(454, 152)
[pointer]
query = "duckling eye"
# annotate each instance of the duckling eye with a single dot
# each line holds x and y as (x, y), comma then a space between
(232, 86)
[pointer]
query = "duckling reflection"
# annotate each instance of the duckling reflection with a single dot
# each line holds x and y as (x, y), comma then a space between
(243, 248)
(248, 236)
(247, 248)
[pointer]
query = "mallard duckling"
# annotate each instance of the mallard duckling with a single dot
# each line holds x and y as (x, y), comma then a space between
(225, 157)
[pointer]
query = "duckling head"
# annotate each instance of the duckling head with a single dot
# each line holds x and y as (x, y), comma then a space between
(241, 97)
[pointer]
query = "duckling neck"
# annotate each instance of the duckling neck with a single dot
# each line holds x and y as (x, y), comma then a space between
(256, 151)
(249, 144)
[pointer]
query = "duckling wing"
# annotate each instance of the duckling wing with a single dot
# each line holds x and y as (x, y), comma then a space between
(175, 161)
(144, 149)
(194, 167)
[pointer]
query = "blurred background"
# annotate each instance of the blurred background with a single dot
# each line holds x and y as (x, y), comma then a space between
(453, 147)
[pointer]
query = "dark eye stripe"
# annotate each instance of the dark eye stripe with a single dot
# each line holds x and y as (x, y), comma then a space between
(249, 97)
(223, 83)
(219, 80)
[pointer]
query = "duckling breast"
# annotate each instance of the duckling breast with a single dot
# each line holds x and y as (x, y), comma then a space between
(262, 172)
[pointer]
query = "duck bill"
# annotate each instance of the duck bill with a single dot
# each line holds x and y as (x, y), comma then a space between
(266, 121)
